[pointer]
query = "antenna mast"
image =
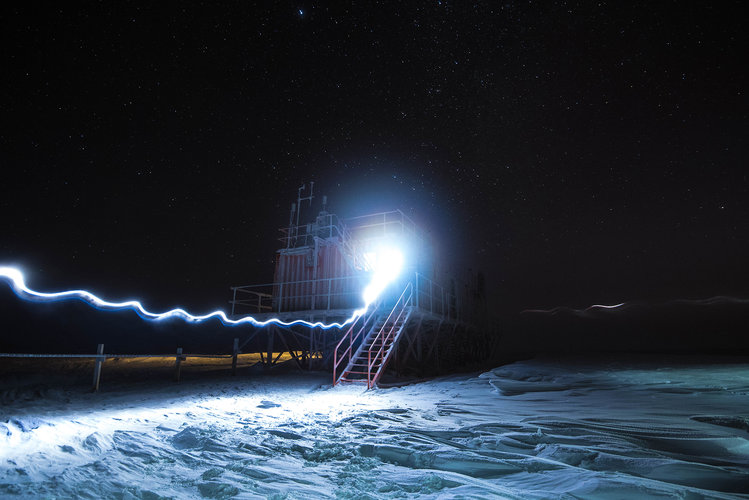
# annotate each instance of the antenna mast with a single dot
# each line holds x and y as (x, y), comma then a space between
(299, 198)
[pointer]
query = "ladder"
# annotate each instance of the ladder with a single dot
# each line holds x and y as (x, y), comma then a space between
(368, 346)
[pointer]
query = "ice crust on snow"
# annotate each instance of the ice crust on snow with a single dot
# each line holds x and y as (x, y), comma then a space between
(532, 429)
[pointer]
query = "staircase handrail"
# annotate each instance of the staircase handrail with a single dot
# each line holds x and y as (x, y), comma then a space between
(352, 338)
(370, 363)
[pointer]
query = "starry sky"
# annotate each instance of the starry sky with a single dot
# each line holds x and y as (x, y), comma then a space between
(573, 152)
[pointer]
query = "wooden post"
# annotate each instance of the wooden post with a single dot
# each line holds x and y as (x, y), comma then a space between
(178, 364)
(312, 341)
(97, 366)
(235, 351)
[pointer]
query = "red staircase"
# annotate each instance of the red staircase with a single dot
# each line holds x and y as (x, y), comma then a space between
(367, 354)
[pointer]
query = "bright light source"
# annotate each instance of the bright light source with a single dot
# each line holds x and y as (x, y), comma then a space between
(388, 264)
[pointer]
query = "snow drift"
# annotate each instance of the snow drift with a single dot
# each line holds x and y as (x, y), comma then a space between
(533, 429)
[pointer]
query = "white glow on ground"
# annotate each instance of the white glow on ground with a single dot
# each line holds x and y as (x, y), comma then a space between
(528, 430)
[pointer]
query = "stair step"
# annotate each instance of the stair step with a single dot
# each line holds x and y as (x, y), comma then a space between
(375, 354)
(376, 348)
(363, 362)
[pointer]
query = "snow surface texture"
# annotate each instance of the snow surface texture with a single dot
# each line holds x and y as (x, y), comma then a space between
(533, 429)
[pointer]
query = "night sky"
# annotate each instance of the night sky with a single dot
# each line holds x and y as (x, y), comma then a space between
(575, 153)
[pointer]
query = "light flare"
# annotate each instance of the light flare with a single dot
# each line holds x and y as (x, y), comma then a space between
(389, 266)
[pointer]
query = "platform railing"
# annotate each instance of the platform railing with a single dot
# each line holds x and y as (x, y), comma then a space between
(382, 224)
(432, 297)
(318, 294)
(325, 226)
(335, 293)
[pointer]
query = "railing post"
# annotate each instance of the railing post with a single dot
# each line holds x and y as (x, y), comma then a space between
(97, 366)
(235, 352)
(178, 365)
(350, 342)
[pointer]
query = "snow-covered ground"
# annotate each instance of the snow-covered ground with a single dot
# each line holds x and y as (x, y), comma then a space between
(531, 429)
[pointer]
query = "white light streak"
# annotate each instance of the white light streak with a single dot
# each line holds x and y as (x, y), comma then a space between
(384, 274)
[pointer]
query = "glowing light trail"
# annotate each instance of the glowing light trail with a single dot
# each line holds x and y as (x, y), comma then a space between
(559, 309)
(384, 274)
(712, 301)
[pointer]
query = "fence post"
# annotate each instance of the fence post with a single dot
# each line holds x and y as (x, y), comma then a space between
(271, 334)
(235, 351)
(97, 366)
(178, 364)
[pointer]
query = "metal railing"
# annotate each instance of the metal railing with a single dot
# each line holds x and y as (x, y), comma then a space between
(325, 226)
(362, 326)
(386, 336)
(100, 357)
(328, 227)
(335, 293)
(432, 297)
(319, 294)
(383, 224)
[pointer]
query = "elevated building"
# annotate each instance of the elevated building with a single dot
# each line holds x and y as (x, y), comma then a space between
(422, 321)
